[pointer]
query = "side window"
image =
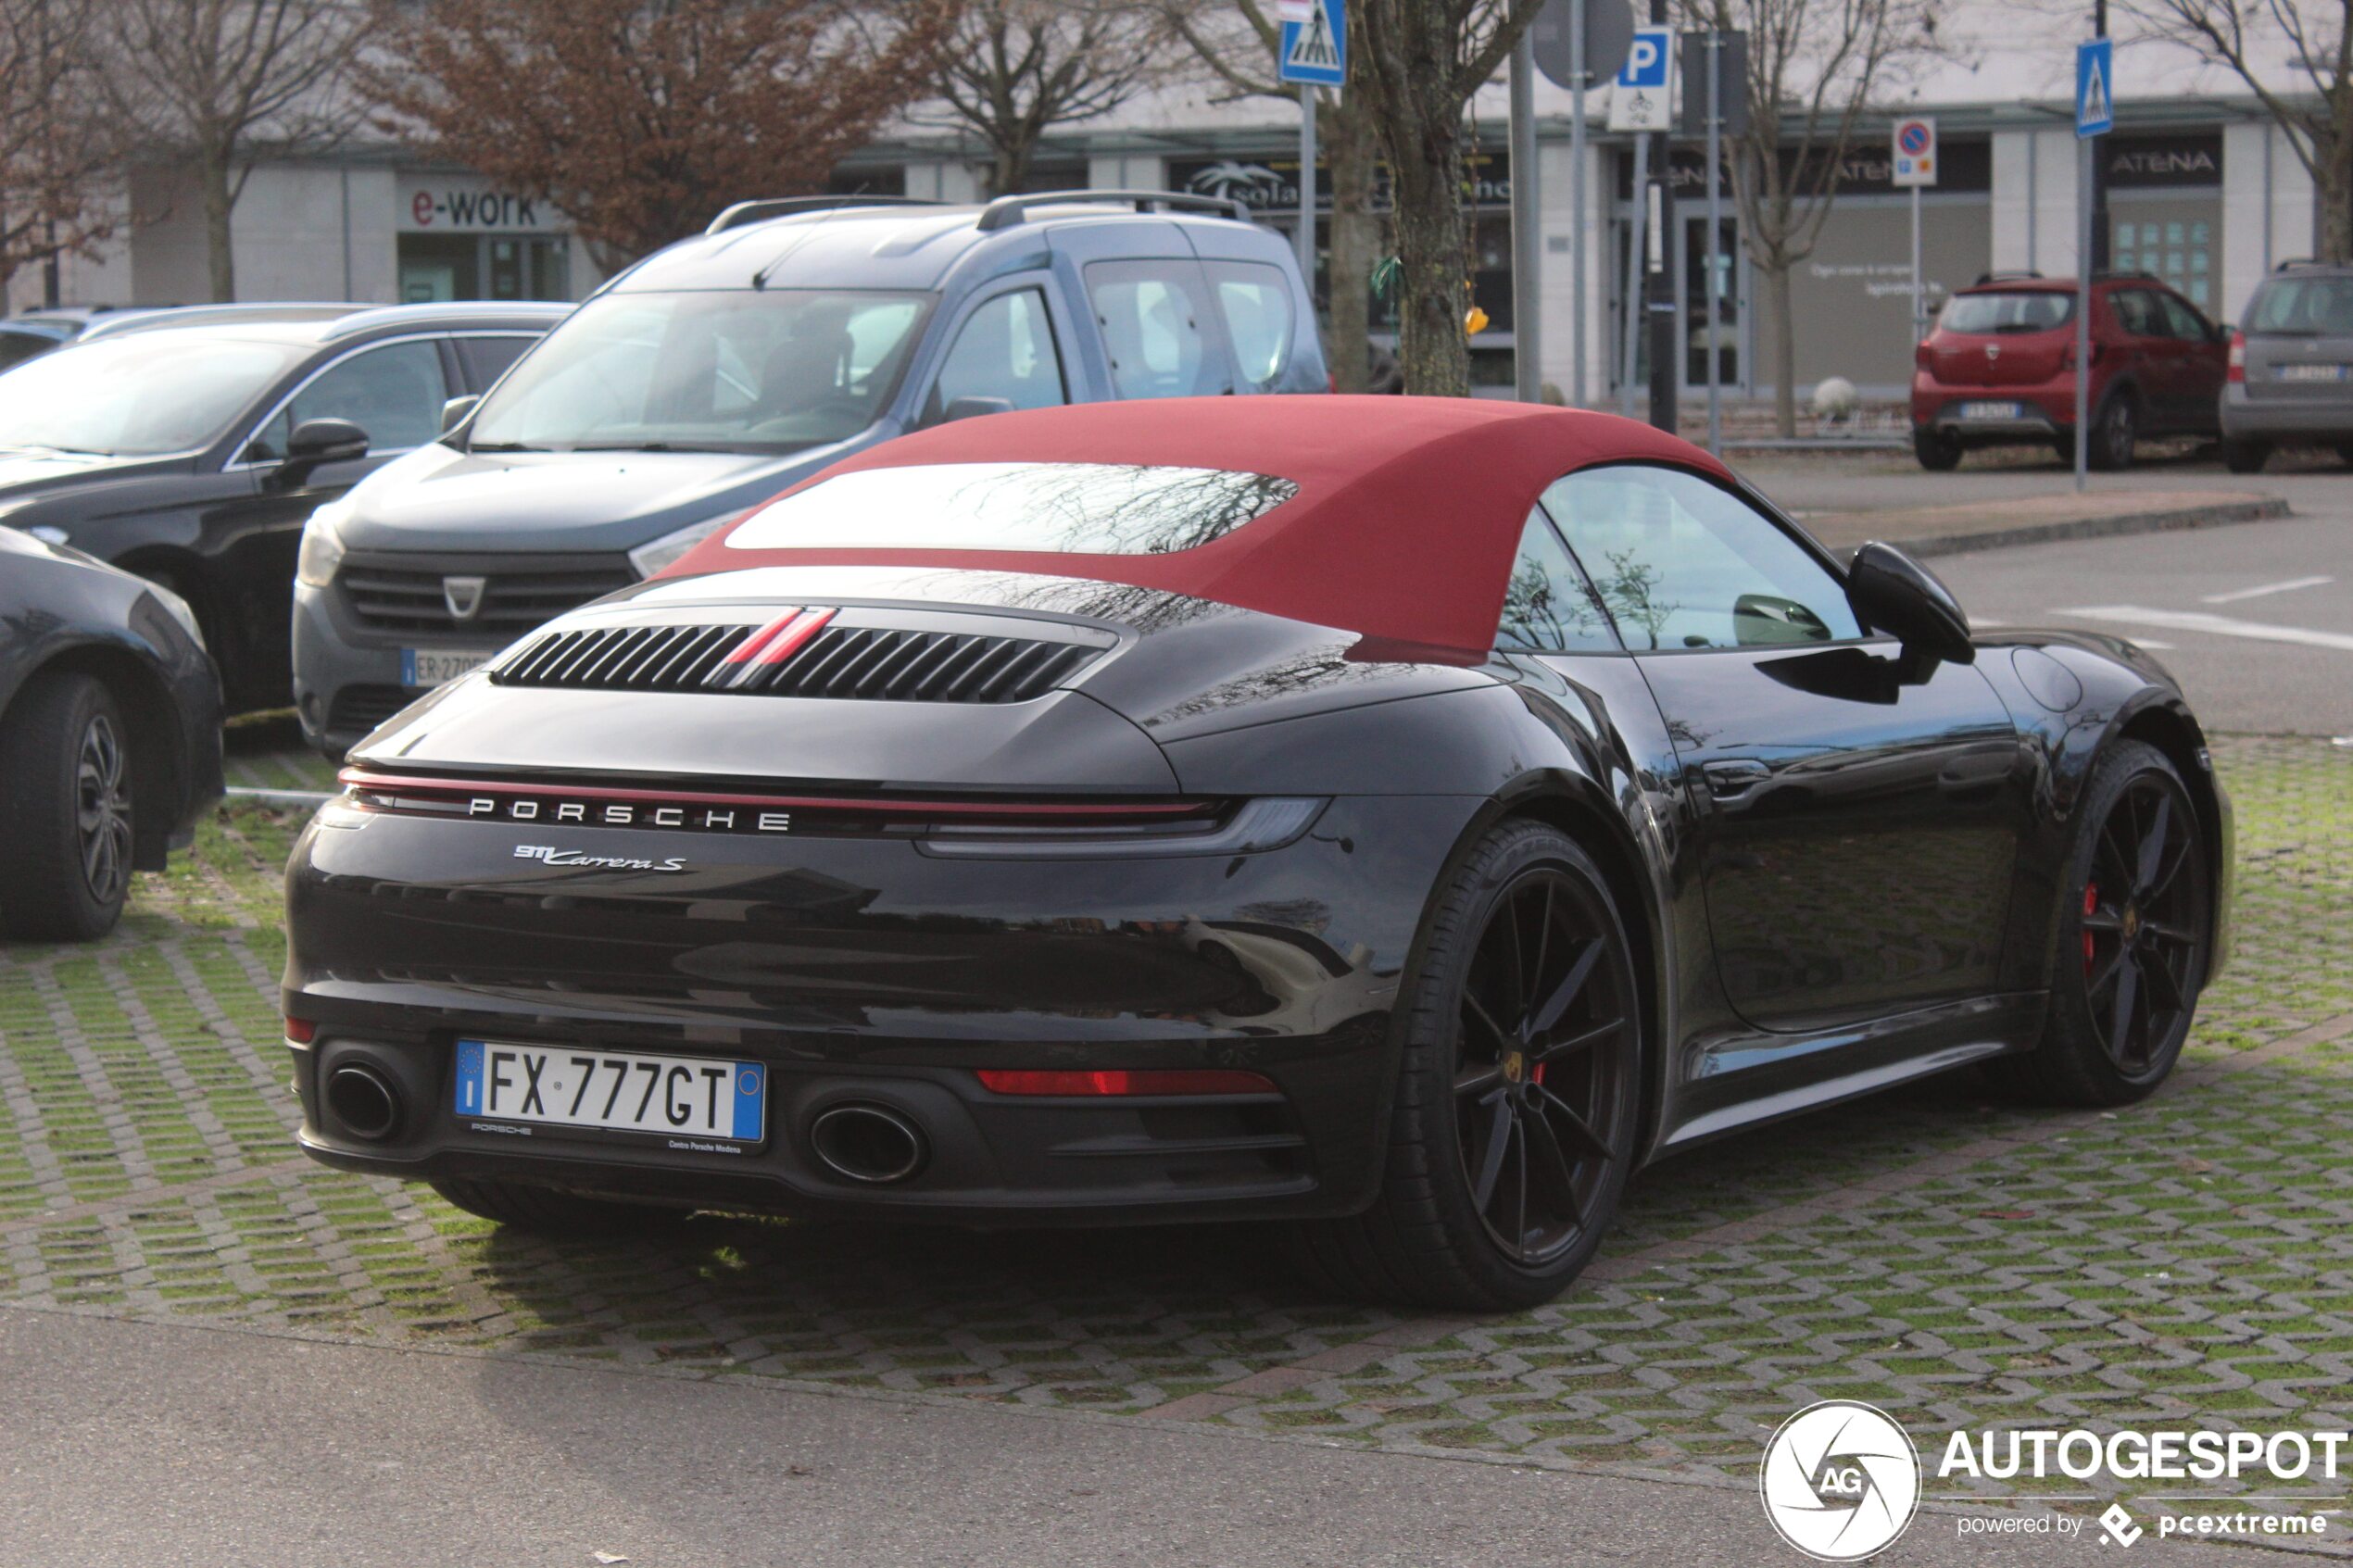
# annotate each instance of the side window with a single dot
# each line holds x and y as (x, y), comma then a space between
(394, 393)
(1548, 606)
(2183, 320)
(1152, 320)
(1004, 349)
(487, 358)
(2138, 313)
(1682, 563)
(1255, 302)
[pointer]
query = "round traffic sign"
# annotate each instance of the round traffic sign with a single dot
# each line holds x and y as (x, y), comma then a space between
(1609, 34)
(1913, 137)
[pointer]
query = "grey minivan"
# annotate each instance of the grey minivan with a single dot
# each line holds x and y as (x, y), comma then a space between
(2291, 370)
(721, 369)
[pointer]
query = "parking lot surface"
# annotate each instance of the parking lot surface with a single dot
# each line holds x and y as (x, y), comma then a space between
(1960, 1261)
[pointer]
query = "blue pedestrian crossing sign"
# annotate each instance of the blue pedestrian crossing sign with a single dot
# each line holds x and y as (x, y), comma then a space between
(1314, 51)
(2096, 87)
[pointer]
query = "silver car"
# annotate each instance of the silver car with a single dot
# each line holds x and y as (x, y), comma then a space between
(2291, 369)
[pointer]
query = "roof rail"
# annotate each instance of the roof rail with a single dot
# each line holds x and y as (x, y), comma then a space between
(458, 311)
(115, 323)
(1985, 278)
(2305, 261)
(1006, 211)
(745, 212)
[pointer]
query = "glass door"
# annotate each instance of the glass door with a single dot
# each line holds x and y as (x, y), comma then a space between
(1697, 334)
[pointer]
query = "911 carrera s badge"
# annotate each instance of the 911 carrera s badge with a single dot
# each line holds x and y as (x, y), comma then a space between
(549, 854)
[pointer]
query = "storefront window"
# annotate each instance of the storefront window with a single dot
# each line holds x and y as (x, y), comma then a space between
(445, 267)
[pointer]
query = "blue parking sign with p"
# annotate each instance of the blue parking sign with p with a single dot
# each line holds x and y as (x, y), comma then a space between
(1647, 60)
(1314, 51)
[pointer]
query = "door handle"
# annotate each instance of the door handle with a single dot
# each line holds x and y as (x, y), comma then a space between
(1733, 777)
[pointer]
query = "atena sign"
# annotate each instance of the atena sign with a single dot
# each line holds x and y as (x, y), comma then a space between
(459, 206)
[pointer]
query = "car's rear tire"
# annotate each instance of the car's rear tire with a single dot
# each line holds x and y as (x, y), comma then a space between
(2115, 428)
(2245, 456)
(1517, 1088)
(1938, 451)
(550, 1210)
(66, 779)
(2133, 936)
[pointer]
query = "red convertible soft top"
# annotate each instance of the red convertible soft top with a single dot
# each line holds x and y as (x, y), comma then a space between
(1408, 513)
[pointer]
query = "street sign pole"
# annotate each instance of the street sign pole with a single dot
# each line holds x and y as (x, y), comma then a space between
(1306, 238)
(1527, 371)
(1662, 276)
(1714, 240)
(1580, 216)
(1636, 231)
(2095, 118)
(1919, 300)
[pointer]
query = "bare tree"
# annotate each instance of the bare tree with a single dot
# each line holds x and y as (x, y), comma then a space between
(1235, 42)
(218, 79)
(1418, 64)
(2317, 38)
(1814, 67)
(59, 150)
(640, 118)
(1010, 70)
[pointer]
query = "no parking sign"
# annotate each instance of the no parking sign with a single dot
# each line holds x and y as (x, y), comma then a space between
(1914, 149)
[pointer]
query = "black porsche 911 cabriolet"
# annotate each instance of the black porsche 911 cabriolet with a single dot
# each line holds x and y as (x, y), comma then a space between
(1399, 818)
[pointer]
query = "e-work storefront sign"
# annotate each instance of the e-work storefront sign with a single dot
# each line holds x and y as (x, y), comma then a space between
(456, 205)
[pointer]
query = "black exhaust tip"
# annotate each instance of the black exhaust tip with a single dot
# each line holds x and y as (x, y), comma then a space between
(867, 1143)
(363, 1101)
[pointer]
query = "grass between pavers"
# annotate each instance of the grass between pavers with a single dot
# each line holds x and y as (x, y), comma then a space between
(2190, 1258)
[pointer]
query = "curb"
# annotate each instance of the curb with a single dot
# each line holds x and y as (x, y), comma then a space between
(2254, 510)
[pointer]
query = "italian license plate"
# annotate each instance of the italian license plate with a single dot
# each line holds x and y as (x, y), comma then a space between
(433, 667)
(685, 1098)
(2311, 372)
(1989, 410)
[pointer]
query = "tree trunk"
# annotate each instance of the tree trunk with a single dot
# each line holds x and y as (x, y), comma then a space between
(1008, 170)
(1777, 301)
(212, 174)
(2335, 236)
(1426, 173)
(1353, 235)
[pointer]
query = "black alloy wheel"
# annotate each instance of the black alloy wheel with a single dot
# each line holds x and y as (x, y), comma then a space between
(2144, 922)
(1537, 1090)
(102, 809)
(1517, 1093)
(67, 795)
(2133, 936)
(2114, 430)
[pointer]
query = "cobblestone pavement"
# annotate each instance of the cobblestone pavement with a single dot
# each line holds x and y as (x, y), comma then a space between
(1956, 1260)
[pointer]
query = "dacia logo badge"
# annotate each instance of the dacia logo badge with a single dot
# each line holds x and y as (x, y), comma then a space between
(463, 596)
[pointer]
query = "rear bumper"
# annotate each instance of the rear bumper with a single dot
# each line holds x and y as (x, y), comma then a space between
(2244, 419)
(2045, 412)
(860, 970)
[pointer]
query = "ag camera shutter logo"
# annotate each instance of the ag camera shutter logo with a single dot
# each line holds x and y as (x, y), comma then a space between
(1841, 1480)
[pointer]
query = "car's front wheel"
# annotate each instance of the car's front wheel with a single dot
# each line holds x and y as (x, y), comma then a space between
(2133, 940)
(1514, 1118)
(65, 797)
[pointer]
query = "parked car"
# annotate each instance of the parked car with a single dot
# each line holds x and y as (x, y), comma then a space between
(2291, 366)
(1999, 369)
(21, 340)
(109, 736)
(717, 372)
(190, 447)
(1398, 816)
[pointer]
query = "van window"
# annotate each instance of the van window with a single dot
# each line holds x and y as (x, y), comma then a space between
(1154, 324)
(1004, 349)
(716, 371)
(1255, 301)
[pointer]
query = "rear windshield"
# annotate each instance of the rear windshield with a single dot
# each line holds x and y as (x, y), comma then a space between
(2027, 310)
(1067, 508)
(2311, 307)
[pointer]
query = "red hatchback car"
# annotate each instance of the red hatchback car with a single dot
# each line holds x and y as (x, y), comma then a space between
(1999, 369)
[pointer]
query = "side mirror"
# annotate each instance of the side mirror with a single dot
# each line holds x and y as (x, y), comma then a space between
(454, 412)
(972, 407)
(1892, 591)
(325, 441)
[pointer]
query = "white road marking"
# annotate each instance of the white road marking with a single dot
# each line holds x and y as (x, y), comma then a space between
(2217, 625)
(2260, 589)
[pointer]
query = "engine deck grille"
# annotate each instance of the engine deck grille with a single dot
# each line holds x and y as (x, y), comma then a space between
(801, 655)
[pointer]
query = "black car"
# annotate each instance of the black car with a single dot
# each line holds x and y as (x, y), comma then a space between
(191, 447)
(1398, 816)
(109, 736)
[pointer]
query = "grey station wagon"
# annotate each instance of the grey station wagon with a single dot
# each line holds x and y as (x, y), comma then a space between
(717, 373)
(2291, 375)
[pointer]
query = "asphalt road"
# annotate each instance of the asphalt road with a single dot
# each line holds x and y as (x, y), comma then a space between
(2313, 482)
(155, 1446)
(2255, 619)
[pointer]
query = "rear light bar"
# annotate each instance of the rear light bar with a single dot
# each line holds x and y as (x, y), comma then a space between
(2236, 370)
(301, 1031)
(1125, 1082)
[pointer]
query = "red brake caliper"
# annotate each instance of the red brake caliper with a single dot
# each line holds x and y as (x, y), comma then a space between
(2091, 907)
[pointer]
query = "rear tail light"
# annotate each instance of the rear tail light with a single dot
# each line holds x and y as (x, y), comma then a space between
(1173, 1080)
(1922, 355)
(2236, 371)
(301, 1031)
